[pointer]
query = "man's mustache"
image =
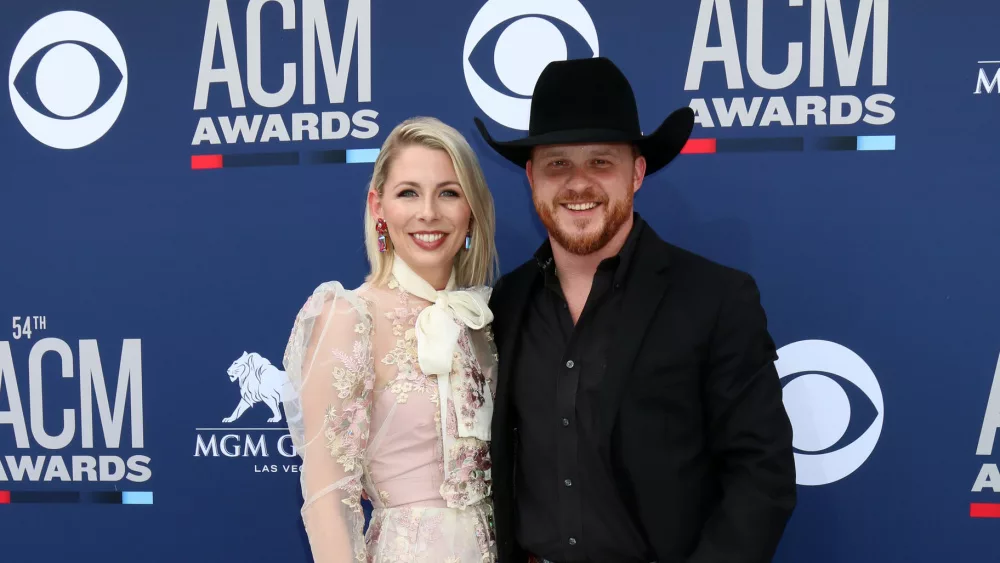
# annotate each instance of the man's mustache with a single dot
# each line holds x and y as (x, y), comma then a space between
(585, 196)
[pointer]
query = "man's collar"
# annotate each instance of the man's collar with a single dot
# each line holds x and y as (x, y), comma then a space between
(543, 256)
(625, 255)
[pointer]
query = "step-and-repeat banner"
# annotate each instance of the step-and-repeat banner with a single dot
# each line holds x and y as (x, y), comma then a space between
(178, 176)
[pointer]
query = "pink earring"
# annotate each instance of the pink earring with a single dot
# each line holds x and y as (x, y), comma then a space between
(382, 229)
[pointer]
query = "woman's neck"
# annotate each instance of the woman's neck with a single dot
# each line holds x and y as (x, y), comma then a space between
(437, 277)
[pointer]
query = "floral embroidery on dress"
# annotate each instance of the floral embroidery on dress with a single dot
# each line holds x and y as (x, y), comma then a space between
(471, 393)
(452, 425)
(469, 480)
(417, 524)
(346, 430)
(485, 536)
(374, 533)
(439, 444)
(413, 532)
(342, 368)
(404, 354)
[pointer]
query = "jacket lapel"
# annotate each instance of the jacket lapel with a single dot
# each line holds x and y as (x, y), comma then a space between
(645, 288)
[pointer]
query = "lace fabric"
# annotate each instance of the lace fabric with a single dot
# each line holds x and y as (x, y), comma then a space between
(365, 417)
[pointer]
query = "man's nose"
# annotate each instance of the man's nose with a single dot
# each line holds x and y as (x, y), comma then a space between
(579, 180)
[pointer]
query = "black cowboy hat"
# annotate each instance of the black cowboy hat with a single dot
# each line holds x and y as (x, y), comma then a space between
(591, 101)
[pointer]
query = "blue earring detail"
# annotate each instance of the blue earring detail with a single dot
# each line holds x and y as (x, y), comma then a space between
(468, 241)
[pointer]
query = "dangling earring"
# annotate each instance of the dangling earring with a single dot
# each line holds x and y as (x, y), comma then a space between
(382, 229)
(468, 240)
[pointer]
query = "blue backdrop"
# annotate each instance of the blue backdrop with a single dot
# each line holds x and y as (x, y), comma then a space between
(177, 177)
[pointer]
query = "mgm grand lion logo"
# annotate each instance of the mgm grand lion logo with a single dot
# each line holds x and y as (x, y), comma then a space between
(260, 382)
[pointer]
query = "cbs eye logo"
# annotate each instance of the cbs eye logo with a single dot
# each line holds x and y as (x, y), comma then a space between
(61, 47)
(533, 35)
(835, 406)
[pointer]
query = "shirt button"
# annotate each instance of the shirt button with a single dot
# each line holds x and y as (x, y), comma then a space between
(565, 422)
(569, 364)
(572, 541)
(569, 482)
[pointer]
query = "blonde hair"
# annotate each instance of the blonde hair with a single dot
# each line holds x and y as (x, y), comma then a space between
(479, 264)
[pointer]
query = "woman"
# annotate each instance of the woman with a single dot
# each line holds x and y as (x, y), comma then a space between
(395, 379)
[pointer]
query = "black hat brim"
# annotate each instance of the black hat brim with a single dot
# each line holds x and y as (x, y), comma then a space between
(659, 147)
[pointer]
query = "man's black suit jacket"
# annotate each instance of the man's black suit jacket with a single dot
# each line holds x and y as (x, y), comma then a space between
(692, 416)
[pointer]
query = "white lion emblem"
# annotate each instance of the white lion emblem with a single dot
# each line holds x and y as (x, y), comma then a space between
(259, 381)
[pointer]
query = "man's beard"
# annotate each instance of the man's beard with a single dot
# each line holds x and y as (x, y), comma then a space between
(615, 215)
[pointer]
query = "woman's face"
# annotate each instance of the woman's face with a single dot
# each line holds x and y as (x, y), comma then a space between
(426, 211)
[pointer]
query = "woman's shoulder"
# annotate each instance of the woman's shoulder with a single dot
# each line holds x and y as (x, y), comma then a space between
(335, 288)
(334, 298)
(330, 309)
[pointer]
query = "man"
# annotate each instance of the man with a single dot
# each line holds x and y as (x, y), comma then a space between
(638, 412)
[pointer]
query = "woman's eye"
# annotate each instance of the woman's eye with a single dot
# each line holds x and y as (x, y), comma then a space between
(449, 193)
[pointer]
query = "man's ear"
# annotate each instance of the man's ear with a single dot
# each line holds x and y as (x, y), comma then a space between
(638, 173)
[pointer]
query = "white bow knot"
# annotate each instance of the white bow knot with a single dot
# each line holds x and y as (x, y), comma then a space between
(437, 333)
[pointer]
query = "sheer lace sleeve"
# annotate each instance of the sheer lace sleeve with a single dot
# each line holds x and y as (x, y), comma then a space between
(329, 363)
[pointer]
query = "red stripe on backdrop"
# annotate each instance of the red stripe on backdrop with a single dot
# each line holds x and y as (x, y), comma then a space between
(206, 161)
(984, 510)
(4, 497)
(699, 146)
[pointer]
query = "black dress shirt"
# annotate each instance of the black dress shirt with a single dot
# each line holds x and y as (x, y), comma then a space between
(567, 506)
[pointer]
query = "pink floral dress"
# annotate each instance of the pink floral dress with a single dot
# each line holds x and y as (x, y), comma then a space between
(366, 418)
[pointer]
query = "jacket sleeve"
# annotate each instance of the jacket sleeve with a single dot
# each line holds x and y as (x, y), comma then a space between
(750, 436)
(329, 365)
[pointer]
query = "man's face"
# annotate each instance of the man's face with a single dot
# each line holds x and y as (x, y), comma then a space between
(583, 193)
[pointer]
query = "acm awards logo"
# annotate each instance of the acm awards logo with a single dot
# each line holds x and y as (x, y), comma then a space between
(836, 408)
(303, 99)
(843, 95)
(987, 484)
(61, 425)
(62, 68)
(256, 428)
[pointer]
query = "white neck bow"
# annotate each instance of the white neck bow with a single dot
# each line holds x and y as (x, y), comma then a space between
(438, 331)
